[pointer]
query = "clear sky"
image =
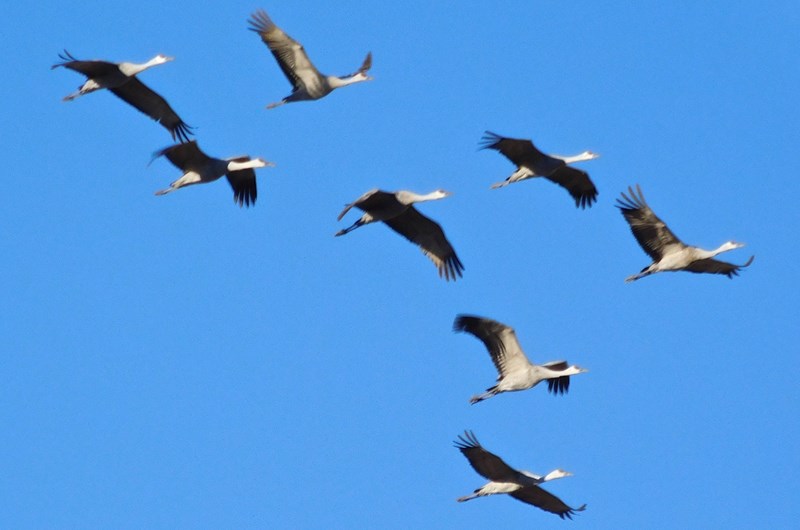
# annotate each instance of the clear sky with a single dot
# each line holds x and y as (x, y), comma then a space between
(178, 362)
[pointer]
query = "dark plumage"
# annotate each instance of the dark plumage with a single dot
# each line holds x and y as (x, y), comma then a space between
(396, 209)
(531, 163)
(515, 371)
(121, 80)
(522, 485)
(307, 82)
(199, 168)
(665, 249)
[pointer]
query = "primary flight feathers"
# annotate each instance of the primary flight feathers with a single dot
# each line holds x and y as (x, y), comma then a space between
(396, 210)
(199, 168)
(307, 82)
(532, 163)
(522, 485)
(515, 371)
(667, 251)
(121, 80)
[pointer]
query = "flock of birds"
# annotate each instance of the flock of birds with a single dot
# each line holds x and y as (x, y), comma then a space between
(397, 210)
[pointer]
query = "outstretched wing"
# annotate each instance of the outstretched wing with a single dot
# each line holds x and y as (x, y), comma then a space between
(714, 266)
(90, 69)
(487, 464)
(546, 501)
(652, 234)
(366, 65)
(500, 340)
(243, 182)
(520, 152)
(559, 385)
(577, 183)
(185, 156)
(289, 53)
(140, 96)
(431, 239)
(374, 199)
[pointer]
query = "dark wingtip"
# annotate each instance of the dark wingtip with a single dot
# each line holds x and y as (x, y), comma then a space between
(181, 132)
(586, 200)
(65, 57)
(466, 441)
(489, 140)
(163, 151)
(633, 202)
(452, 268)
(460, 323)
(260, 22)
(245, 198)
(735, 271)
(571, 511)
(367, 64)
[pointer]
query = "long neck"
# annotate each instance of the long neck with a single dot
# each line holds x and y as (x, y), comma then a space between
(571, 370)
(249, 164)
(409, 197)
(719, 250)
(535, 479)
(538, 479)
(575, 158)
(131, 69)
(553, 475)
(336, 82)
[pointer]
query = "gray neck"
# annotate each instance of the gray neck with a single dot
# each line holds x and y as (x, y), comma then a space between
(705, 254)
(336, 82)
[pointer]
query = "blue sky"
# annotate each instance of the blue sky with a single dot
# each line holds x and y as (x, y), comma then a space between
(176, 362)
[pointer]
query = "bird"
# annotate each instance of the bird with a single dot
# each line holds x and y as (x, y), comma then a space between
(667, 251)
(531, 163)
(515, 371)
(522, 485)
(121, 80)
(307, 82)
(199, 168)
(396, 209)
